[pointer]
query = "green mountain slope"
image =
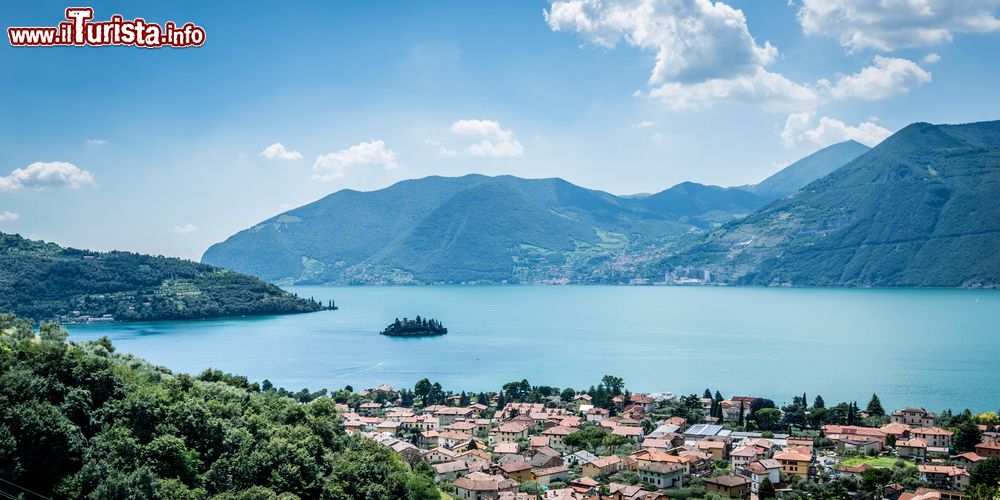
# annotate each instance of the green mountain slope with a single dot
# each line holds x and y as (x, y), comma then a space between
(44, 281)
(438, 229)
(921, 209)
(797, 175)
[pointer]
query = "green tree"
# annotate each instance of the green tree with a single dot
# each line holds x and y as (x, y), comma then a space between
(819, 403)
(986, 472)
(967, 436)
(766, 489)
(875, 407)
(767, 418)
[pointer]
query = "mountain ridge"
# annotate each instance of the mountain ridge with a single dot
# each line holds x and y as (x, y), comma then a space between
(477, 228)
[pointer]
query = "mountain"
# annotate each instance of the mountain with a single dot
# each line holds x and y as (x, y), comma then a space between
(470, 228)
(921, 209)
(43, 281)
(799, 174)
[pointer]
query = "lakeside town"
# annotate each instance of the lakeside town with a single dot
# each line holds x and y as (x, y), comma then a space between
(537, 442)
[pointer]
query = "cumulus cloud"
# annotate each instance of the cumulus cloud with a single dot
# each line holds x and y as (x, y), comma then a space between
(887, 77)
(704, 50)
(893, 24)
(801, 129)
(373, 153)
(931, 58)
(277, 151)
(694, 40)
(490, 140)
(47, 174)
(6, 216)
(96, 142)
(644, 124)
(186, 229)
(771, 90)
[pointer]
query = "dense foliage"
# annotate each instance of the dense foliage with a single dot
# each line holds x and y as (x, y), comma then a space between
(80, 421)
(43, 281)
(413, 327)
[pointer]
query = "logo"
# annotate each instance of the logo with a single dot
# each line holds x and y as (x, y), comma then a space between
(80, 30)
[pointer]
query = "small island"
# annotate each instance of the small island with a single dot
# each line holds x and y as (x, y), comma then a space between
(418, 327)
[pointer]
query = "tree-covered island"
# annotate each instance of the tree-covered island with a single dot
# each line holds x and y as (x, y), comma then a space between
(418, 327)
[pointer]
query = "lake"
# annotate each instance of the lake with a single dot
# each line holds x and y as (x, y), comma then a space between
(932, 348)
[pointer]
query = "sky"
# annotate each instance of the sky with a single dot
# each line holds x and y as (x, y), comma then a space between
(167, 151)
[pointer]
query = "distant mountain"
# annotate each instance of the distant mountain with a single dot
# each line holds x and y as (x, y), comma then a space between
(921, 209)
(44, 281)
(471, 228)
(797, 175)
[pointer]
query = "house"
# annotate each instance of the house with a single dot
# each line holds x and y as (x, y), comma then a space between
(803, 442)
(915, 448)
(717, 448)
(388, 427)
(768, 468)
(931, 494)
(546, 457)
(896, 430)
(603, 466)
(915, 417)
(370, 409)
(449, 414)
(855, 434)
(439, 454)
(938, 439)
(557, 434)
(663, 430)
(662, 475)
(482, 486)
(579, 458)
(582, 399)
(863, 445)
(509, 432)
(583, 485)
(966, 460)
(633, 433)
(944, 476)
(519, 471)
(595, 414)
(508, 448)
(702, 431)
(730, 485)
(680, 422)
(539, 441)
(987, 450)
(550, 474)
(794, 461)
(745, 455)
(665, 442)
(632, 492)
(852, 471)
(450, 471)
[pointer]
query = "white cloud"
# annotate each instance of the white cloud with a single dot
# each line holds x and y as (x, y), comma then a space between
(373, 153)
(694, 40)
(931, 58)
(888, 77)
(800, 130)
(770, 90)
(6, 216)
(47, 174)
(704, 51)
(888, 25)
(277, 151)
(96, 142)
(644, 124)
(657, 137)
(186, 229)
(492, 140)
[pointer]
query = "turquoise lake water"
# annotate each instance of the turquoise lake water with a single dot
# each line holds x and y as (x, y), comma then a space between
(933, 348)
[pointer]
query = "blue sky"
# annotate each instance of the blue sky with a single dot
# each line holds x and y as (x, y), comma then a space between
(161, 150)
